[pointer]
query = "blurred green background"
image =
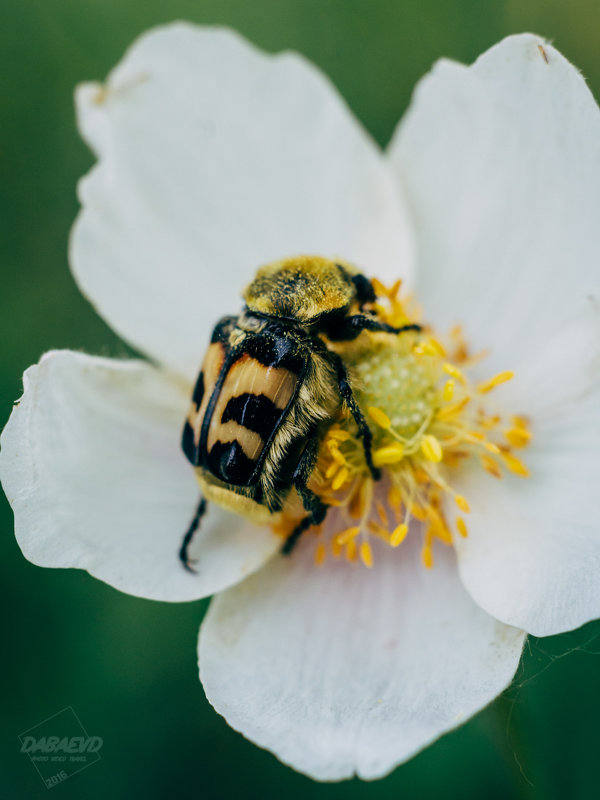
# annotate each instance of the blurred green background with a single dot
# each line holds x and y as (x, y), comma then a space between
(127, 666)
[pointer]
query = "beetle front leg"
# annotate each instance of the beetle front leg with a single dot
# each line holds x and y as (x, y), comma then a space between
(348, 397)
(347, 329)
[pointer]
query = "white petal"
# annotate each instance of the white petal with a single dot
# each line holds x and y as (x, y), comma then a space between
(215, 158)
(532, 557)
(341, 670)
(92, 466)
(501, 166)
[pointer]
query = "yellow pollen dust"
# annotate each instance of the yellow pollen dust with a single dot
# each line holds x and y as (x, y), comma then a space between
(428, 417)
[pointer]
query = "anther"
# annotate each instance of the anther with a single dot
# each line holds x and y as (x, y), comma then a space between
(501, 377)
(399, 535)
(432, 449)
(380, 417)
(366, 554)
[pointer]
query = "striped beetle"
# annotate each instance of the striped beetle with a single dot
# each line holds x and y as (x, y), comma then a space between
(270, 385)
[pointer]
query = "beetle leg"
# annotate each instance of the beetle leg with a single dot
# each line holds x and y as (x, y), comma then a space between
(348, 397)
(187, 539)
(315, 507)
(344, 330)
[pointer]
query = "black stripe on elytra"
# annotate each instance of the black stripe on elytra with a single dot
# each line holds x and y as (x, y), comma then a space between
(198, 391)
(189, 446)
(274, 351)
(254, 411)
(228, 462)
(295, 361)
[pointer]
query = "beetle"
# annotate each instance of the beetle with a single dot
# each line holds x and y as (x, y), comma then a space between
(270, 385)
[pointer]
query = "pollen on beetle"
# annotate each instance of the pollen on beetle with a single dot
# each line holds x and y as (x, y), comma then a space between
(428, 416)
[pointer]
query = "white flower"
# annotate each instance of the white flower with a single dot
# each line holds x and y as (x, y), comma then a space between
(214, 158)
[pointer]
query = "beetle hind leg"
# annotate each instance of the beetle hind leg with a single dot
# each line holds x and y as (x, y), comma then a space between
(316, 508)
(186, 561)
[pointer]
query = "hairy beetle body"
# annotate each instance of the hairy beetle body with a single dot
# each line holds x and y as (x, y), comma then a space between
(271, 383)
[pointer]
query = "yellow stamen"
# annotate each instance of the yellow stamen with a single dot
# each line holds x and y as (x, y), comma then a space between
(331, 470)
(517, 437)
(454, 372)
(382, 513)
(501, 377)
(379, 288)
(320, 554)
(427, 556)
(380, 417)
(360, 499)
(366, 554)
(426, 349)
(461, 526)
(492, 448)
(515, 465)
(418, 512)
(438, 347)
(491, 422)
(491, 466)
(441, 531)
(395, 498)
(339, 435)
(451, 411)
(421, 476)
(448, 392)
(379, 531)
(348, 535)
(351, 550)
(390, 454)
(398, 535)
(340, 479)
(462, 503)
(337, 456)
(432, 449)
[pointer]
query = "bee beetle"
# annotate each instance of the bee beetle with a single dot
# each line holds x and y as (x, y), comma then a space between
(270, 385)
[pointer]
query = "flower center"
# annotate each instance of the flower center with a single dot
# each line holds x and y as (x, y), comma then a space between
(427, 416)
